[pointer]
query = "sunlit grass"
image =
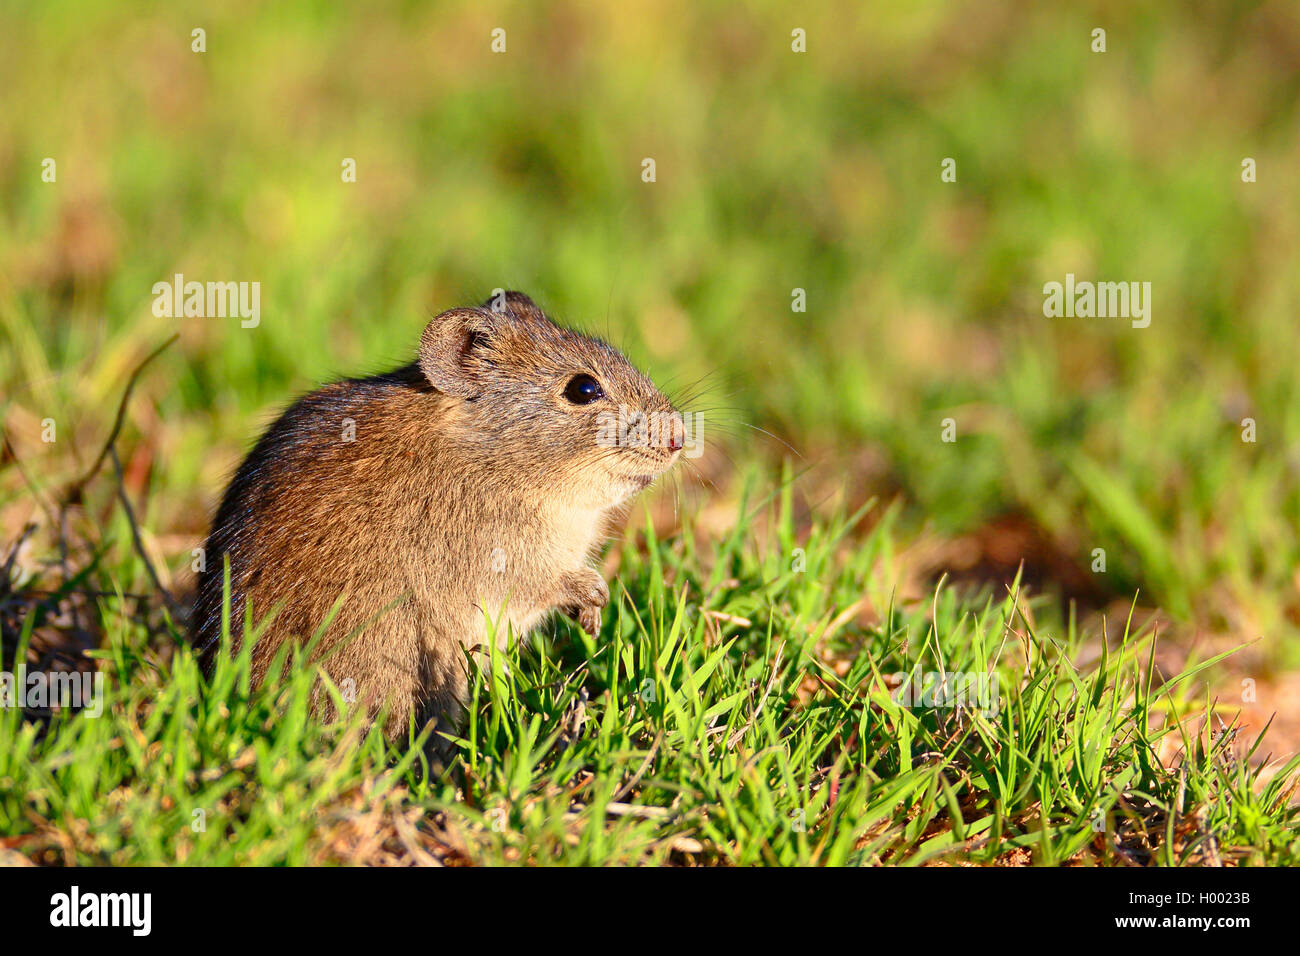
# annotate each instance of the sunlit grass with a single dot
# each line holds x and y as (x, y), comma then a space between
(740, 707)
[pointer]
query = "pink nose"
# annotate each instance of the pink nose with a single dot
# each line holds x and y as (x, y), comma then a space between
(676, 437)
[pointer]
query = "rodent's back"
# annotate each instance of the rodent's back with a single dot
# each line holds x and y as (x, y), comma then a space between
(309, 493)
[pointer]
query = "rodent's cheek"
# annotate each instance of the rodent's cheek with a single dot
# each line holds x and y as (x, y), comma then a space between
(595, 438)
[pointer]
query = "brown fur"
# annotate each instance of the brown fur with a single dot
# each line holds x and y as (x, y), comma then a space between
(473, 487)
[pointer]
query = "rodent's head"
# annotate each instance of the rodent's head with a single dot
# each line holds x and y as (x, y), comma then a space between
(561, 410)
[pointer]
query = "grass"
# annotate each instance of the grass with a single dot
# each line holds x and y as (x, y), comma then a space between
(740, 707)
(776, 172)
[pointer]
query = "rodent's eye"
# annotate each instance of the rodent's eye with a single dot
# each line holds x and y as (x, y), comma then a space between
(583, 390)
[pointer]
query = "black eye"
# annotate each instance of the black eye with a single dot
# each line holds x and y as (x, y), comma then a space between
(583, 390)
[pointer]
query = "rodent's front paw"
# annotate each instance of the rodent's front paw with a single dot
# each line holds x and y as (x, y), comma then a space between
(582, 588)
(588, 619)
(582, 595)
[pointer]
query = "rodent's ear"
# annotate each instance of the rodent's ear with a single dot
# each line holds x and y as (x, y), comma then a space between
(517, 304)
(447, 346)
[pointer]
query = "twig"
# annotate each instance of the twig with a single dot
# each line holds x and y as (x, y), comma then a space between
(624, 790)
(639, 811)
(13, 553)
(74, 491)
(172, 606)
(410, 839)
(729, 618)
(753, 718)
(27, 479)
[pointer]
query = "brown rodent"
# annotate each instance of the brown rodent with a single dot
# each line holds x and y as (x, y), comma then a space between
(474, 481)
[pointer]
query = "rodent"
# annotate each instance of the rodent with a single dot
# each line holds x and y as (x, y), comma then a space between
(478, 481)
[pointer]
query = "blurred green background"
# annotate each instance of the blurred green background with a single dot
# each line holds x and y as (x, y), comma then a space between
(775, 170)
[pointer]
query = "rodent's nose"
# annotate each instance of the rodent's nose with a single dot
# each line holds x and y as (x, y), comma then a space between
(677, 435)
